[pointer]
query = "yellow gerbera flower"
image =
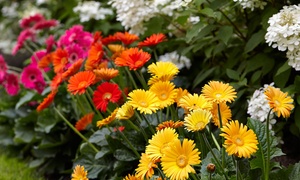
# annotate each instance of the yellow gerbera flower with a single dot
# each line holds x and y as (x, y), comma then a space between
(107, 120)
(79, 173)
(238, 140)
(145, 167)
(170, 124)
(159, 142)
(132, 177)
(197, 120)
(144, 101)
(165, 91)
(125, 112)
(155, 79)
(195, 101)
(279, 102)
(180, 93)
(162, 68)
(219, 92)
(225, 114)
(176, 163)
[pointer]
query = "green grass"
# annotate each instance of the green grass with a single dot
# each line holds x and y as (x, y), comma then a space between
(12, 168)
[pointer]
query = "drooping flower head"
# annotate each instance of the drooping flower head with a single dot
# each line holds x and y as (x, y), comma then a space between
(95, 55)
(133, 58)
(3, 69)
(169, 124)
(144, 101)
(107, 120)
(225, 113)
(217, 91)
(106, 73)
(160, 142)
(153, 40)
(45, 24)
(79, 173)
(195, 101)
(125, 112)
(179, 158)
(126, 37)
(165, 91)
(239, 141)
(281, 103)
(73, 69)
(80, 82)
(11, 84)
(146, 167)
(50, 43)
(83, 122)
(47, 101)
(197, 120)
(105, 93)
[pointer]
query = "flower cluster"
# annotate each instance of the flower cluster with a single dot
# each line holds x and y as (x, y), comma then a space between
(252, 4)
(10, 81)
(284, 33)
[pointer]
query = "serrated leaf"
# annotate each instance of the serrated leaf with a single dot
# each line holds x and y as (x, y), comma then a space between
(225, 33)
(125, 155)
(254, 41)
(232, 74)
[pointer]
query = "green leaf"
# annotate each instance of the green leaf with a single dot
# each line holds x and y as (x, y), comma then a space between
(194, 31)
(282, 75)
(232, 74)
(255, 76)
(99, 135)
(103, 152)
(297, 83)
(203, 74)
(208, 12)
(295, 172)
(26, 98)
(297, 115)
(254, 41)
(124, 155)
(24, 134)
(45, 121)
(225, 33)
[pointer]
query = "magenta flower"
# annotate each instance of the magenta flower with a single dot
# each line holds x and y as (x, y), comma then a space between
(23, 36)
(3, 69)
(75, 52)
(50, 42)
(11, 84)
(28, 22)
(44, 24)
(31, 75)
(37, 56)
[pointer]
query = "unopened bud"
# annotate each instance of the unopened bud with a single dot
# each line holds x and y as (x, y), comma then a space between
(211, 168)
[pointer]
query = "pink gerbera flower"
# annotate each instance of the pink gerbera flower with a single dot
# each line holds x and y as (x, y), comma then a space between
(50, 42)
(31, 75)
(28, 22)
(24, 35)
(75, 52)
(11, 84)
(37, 56)
(3, 69)
(44, 24)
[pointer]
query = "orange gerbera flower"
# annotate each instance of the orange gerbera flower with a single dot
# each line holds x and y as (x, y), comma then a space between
(80, 81)
(47, 101)
(116, 49)
(46, 61)
(105, 93)
(153, 40)
(170, 124)
(107, 120)
(56, 81)
(95, 55)
(97, 37)
(133, 58)
(73, 69)
(60, 60)
(82, 123)
(109, 39)
(126, 37)
(106, 73)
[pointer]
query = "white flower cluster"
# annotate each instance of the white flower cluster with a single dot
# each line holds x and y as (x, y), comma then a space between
(258, 107)
(251, 4)
(174, 57)
(284, 33)
(91, 10)
(134, 13)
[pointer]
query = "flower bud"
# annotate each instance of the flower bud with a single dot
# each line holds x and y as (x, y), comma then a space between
(211, 168)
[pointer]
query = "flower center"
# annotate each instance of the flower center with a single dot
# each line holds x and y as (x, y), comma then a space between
(239, 141)
(139, 63)
(107, 95)
(200, 125)
(182, 161)
(82, 84)
(143, 104)
(277, 103)
(218, 95)
(163, 96)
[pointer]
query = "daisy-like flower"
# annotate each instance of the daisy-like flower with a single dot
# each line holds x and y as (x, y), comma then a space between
(217, 91)
(126, 37)
(239, 141)
(106, 73)
(165, 78)
(116, 49)
(180, 93)
(26, 34)
(80, 82)
(3, 68)
(153, 40)
(105, 93)
(11, 84)
(133, 58)
(165, 91)
(75, 52)
(79, 173)
(225, 113)
(125, 112)
(179, 158)
(160, 69)
(197, 120)
(45, 62)
(95, 55)
(73, 69)
(30, 75)
(60, 60)
(107, 120)
(56, 81)
(146, 167)
(279, 102)
(160, 142)
(195, 101)
(47, 101)
(132, 177)
(169, 124)
(82, 123)
(144, 101)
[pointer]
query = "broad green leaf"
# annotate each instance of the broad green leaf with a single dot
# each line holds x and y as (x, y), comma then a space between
(136, 140)
(232, 74)
(225, 33)
(102, 152)
(208, 12)
(26, 98)
(99, 135)
(36, 163)
(285, 67)
(254, 41)
(194, 31)
(125, 155)
(255, 76)
(6, 135)
(45, 121)
(295, 172)
(282, 75)
(255, 62)
(24, 133)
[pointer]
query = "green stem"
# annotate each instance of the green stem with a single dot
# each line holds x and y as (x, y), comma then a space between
(268, 147)
(202, 145)
(193, 176)
(76, 131)
(155, 55)
(131, 78)
(222, 138)
(14, 68)
(237, 169)
(213, 138)
(150, 126)
(141, 78)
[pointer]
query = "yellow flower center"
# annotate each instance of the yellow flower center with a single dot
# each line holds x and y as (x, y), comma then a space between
(277, 103)
(107, 95)
(163, 96)
(238, 141)
(182, 161)
(143, 104)
(82, 84)
(200, 125)
(218, 95)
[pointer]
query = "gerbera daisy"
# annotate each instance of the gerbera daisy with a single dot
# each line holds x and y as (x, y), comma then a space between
(126, 37)
(169, 124)
(179, 158)
(160, 142)
(225, 113)
(197, 120)
(238, 140)
(50, 42)
(279, 102)
(132, 177)
(153, 40)
(106, 73)
(30, 75)
(75, 52)
(165, 91)
(105, 93)
(116, 49)
(28, 22)
(3, 68)
(164, 78)
(60, 60)
(133, 58)
(56, 81)
(107, 120)
(95, 55)
(145, 167)
(45, 62)
(144, 101)
(109, 39)
(180, 93)
(79, 173)
(47, 101)
(11, 84)
(125, 112)
(80, 81)
(73, 69)
(217, 91)
(44, 24)
(82, 123)
(195, 101)
(160, 69)
(26, 34)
